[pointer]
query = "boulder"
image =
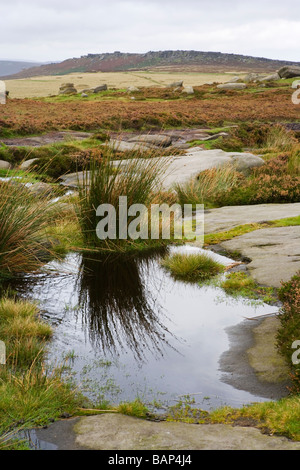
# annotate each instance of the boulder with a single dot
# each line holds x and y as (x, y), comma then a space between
(290, 71)
(84, 95)
(186, 167)
(232, 86)
(87, 90)
(152, 139)
(25, 165)
(176, 84)
(272, 77)
(189, 90)
(40, 189)
(233, 79)
(252, 77)
(4, 165)
(66, 85)
(132, 89)
(182, 168)
(215, 136)
(71, 180)
(243, 162)
(100, 88)
(67, 89)
(124, 146)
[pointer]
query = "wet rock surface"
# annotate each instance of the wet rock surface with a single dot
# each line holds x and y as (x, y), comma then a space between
(252, 362)
(119, 432)
(274, 253)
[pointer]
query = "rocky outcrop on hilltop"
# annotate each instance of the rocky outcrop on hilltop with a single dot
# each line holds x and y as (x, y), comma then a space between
(179, 60)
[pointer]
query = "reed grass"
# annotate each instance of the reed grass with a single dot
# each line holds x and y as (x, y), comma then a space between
(22, 331)
(22, 218)
(104, 182)
(209, 185)
(30, 395)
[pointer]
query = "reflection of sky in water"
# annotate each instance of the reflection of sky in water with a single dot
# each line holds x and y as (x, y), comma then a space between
(136, 332)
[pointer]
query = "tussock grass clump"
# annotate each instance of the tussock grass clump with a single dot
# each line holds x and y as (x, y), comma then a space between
(21, 330)
(135, 408)
(294, 161)
(104, 182)
(242, 285)
(280, 417)
(238, 282)
(277, 181)
(196, 267)
(29, 394)
(280, 139)
(210, 185)
(22, 217)
(34, 397)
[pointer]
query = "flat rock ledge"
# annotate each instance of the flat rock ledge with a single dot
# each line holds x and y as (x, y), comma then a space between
(253, 363)
(274, 253)
(182, 169)
(119, 432)
(228, 217)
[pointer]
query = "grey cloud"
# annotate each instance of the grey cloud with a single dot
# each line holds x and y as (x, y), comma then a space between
(58, 29)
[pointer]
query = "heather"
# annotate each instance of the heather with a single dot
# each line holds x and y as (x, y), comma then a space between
(289, 331)
(271, 183)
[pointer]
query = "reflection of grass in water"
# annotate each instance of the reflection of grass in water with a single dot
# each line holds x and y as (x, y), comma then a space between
(117, 309)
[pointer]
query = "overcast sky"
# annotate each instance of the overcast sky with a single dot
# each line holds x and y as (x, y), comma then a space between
(54, 30)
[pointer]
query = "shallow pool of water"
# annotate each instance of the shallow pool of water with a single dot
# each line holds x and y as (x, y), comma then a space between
(130, 330)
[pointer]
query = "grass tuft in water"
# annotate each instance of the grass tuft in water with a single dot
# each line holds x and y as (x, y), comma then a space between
(135, 408)
(242, 285)
(192, 268)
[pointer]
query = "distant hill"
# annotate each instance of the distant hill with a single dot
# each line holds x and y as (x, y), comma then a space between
(9, 67)
(193, 61)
